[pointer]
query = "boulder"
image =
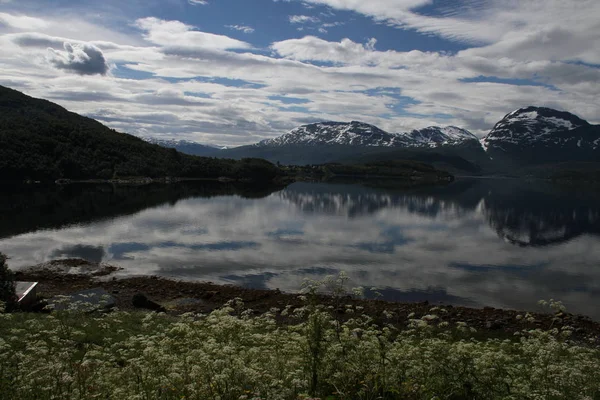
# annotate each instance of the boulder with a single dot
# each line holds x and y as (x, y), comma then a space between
(140, 300)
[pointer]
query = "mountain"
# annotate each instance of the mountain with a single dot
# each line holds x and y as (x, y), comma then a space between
(357, 133)
(335, 133)
(531, 136)
(537, 135)
(40, 140)
(352, 142)
(185, 146)
(434, 136)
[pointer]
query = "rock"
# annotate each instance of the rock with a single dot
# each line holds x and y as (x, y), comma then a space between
(140, 300)
(209, 294)
(40, 306)
(72, 266)
(185, 302)
(494, 325)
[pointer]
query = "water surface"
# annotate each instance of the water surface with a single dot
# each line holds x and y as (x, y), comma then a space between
(501, 243)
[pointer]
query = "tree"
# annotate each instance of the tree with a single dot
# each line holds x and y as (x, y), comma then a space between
(8, 296)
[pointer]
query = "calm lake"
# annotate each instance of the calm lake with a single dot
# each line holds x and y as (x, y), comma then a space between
(480, 242)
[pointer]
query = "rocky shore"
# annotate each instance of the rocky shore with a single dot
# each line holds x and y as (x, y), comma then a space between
(63, 277)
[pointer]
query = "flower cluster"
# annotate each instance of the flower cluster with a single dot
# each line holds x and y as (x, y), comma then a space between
(229, 354)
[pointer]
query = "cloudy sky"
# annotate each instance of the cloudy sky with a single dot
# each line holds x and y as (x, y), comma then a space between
(232, 72)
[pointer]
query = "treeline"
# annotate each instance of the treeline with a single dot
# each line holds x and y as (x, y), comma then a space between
(40, 140)
(400, 169)
(395, 169)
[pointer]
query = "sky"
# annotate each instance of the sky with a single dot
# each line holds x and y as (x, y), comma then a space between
(234, 72)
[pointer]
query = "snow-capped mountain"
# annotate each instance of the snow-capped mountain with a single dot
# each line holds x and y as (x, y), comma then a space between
(537, 134)
(435, 136)
(186, 146)
(361, 134)
(326, 133)
(533, 124)
(527, 136)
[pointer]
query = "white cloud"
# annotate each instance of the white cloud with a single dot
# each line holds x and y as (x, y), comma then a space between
(175, 33)
(22, 21)
(324, 28)
(303, 19)
(241, 28)
(527, 30)
(198, 2)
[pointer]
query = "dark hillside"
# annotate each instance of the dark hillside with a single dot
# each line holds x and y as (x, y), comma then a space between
(40, 140)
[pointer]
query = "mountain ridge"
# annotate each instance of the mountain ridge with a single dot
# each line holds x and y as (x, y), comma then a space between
(526, 136)
(357, 133)
(185, 146)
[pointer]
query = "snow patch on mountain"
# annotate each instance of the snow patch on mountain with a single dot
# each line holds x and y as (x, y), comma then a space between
(173, 143)
(361, 134)
(542, 135)
(531, 124)
(435, 136)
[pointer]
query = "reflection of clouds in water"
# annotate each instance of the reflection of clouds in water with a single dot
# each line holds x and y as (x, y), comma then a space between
(411, 245)
(90, 253)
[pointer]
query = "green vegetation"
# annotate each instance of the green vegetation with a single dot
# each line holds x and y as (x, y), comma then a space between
(40, 140)
(234, 354)
(8, 297)
(563, 172)
(398, 169)
(393, 169)
(464, 159)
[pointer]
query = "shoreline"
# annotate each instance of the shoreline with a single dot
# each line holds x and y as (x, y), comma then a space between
(179, 297)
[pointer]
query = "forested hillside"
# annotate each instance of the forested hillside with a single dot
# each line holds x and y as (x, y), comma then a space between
(40, 140)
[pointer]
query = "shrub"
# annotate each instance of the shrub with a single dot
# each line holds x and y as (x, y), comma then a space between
(8, 297)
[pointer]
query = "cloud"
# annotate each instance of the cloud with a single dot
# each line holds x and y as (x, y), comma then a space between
(170, 78)
(534, 29)
(83, 59)
(302, 19)
(169, 33)
(22, 21)
(324, 28)
(32, 39)
(198, 2)
(241, 28)
(546, 43)
(311, 48)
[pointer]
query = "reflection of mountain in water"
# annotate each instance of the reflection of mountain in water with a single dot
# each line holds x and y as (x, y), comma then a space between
(522, 213)
(30, 207)
(357, 200)
(540, 215)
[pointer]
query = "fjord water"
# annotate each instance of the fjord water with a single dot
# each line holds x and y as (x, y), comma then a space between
(478, 242)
